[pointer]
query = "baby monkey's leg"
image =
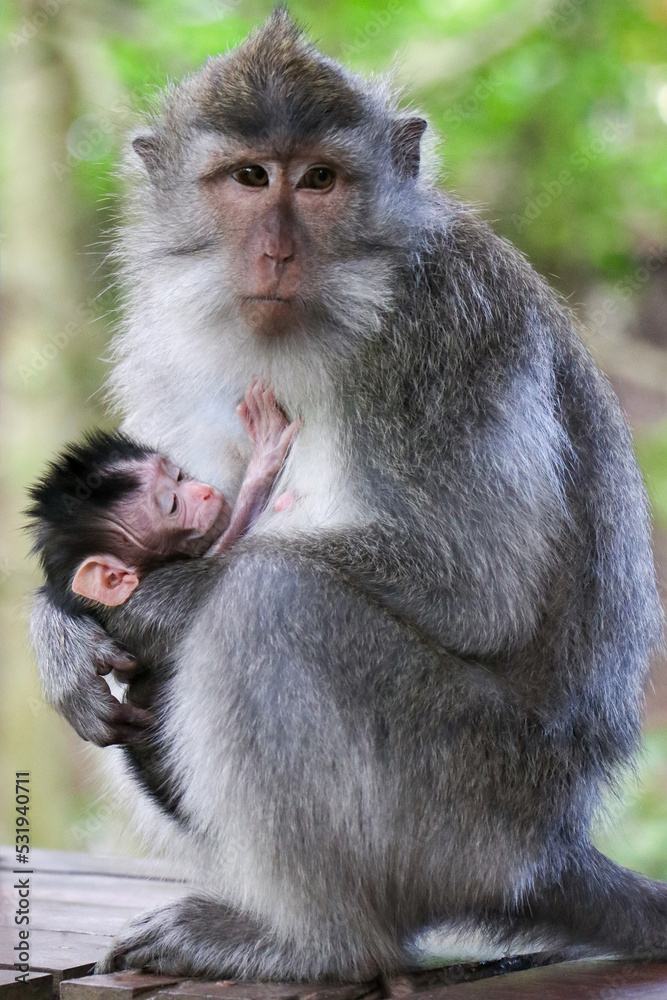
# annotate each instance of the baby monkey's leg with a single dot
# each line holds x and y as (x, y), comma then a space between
(271, 436)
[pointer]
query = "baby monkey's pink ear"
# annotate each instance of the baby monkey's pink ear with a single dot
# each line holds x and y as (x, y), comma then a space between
(105, 579)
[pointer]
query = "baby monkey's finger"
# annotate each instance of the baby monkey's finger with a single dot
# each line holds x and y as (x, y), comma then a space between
(255, 400)
(268, 397)
(248, 421)
(244, 414)
(288, 435)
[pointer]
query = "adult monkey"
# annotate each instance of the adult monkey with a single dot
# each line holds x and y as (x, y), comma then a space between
(404, 696)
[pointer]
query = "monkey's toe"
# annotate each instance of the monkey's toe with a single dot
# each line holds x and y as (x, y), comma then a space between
(176, 940)
(145, 946)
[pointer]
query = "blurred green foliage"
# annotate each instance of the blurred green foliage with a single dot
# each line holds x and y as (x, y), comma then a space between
(554, 113)
(634, 830)
(554, 118)
(651, 448)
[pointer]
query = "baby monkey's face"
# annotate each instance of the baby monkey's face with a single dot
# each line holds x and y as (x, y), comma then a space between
(171, 513)
(168, 514)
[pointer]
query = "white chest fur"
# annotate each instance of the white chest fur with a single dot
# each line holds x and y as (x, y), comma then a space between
(208, 440)
(317, 476)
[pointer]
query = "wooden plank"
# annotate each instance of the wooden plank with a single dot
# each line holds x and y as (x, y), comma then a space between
(583, 980)
(103, 890)
(375, 993)
(57, 976)
(38, 986)
(114, 986)
(64, 954)
(81, 918)
(231, 989)
(73, 863)
(75, 913)
(427, 980)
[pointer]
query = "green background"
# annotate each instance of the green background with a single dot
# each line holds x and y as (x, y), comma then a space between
(552, 118)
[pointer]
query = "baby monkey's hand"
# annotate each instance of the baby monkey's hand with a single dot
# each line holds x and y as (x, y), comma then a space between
(268, 429)
(271, 435)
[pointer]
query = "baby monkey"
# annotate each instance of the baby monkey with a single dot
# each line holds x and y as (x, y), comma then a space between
(110, 510)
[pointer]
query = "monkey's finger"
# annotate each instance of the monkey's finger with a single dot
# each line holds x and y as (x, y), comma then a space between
(288, 435)
(270, 406)
(253, 394)
(126, 669)
(127, 714)
(269, 397)
(247, 403)
(120, 735)
(93, 710)
(254, 402)
(128, 723)
(245, 418)
(276, 418)
(122, 664)
(109, 656)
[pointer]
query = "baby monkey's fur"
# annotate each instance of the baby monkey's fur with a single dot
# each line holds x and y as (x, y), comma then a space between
(399, 704)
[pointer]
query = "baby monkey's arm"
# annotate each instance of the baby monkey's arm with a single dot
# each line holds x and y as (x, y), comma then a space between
(271, 435)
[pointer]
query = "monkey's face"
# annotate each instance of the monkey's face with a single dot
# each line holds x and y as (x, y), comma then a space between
(281, 220)
(171, 513)
(278, 207)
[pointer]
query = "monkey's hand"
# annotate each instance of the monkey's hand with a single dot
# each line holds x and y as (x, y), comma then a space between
(272, 437)
(73, 655)
(268, 429)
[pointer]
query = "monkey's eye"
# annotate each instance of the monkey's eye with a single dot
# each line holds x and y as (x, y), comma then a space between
(180, 476)
(254, 176)
(318, 179)
(174, 506)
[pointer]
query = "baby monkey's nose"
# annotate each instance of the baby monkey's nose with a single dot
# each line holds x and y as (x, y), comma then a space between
(202, 491)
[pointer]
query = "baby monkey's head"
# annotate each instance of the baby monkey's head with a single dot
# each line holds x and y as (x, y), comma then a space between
(109, 510)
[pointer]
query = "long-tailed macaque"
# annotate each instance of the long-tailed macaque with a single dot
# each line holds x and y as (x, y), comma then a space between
(398, 703)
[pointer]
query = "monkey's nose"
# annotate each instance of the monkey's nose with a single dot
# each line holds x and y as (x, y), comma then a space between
(279, 253)
(202, 491)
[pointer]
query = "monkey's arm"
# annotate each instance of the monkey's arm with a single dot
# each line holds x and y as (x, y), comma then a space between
(472, 562)
(74, 651)
(250, 503)
(450, 604)
(272, 437)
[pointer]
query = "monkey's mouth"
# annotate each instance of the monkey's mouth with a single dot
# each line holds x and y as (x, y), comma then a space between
(272, 315)
(271, 300)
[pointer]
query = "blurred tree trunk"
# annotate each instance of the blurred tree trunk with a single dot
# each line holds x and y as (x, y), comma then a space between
(47, 310)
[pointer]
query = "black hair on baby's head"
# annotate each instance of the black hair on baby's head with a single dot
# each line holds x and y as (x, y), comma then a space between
(69, 514)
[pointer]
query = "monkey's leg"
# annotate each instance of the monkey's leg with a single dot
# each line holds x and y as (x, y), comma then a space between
(596, 908)
(199, 937)
(286, 783)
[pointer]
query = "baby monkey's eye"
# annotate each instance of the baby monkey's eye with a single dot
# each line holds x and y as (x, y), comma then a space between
(174, 506)
(254, 176)
(318, 178)
(180, 476)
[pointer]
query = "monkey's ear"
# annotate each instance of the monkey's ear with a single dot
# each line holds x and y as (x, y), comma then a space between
(105, 579)
(405, 138)
(147, 146)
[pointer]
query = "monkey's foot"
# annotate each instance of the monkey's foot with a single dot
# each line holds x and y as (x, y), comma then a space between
(174, 940)
(198, 937)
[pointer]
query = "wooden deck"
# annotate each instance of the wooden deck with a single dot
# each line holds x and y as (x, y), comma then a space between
(78, 902)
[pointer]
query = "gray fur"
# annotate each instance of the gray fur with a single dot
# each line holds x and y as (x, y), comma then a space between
(401, 703)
